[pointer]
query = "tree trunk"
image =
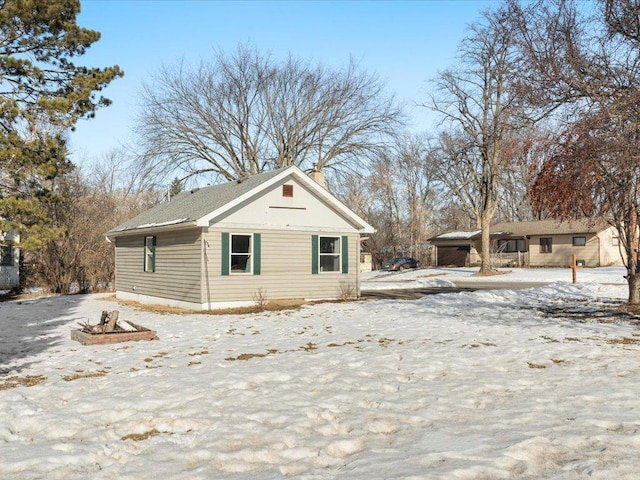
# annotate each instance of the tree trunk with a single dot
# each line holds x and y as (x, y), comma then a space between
(634, 285)
(485, 226)
(633, 276)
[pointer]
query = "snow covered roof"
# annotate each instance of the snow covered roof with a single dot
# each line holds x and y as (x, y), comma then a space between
(457, 235)
(539, 227)
(548, 227)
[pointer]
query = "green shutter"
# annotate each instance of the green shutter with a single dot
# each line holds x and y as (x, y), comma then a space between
(345, 254)
(225, 253)
(257, 252)
(314, 253)
(153, 254)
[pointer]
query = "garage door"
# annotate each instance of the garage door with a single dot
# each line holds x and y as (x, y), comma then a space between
(456, 256)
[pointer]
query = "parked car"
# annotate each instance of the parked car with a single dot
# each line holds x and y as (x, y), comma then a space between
(401, 263)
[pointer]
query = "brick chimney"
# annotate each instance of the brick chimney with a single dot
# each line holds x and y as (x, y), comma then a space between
(318, 177)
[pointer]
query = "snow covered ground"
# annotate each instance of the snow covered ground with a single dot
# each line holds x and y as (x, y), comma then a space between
(508, 384)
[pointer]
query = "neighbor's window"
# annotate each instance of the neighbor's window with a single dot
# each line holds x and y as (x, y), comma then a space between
(546, 245)
(329, 254)
(614, 241)
(579, 241)
(512, 246)
(6, 255)
(240, 253)
(150, 254)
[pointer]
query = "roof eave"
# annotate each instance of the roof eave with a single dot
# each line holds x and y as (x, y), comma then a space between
(150, 229)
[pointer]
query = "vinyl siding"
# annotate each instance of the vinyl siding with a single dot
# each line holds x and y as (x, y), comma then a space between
(562, 249)
(178, 263)
(285, 269)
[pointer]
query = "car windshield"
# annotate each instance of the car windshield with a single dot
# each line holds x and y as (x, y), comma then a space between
(393, 260)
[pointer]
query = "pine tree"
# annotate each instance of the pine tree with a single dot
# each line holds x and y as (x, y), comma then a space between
(42, 95)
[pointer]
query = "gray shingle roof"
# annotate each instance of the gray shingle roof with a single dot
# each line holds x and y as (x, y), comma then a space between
(192, 205)
(549, 227)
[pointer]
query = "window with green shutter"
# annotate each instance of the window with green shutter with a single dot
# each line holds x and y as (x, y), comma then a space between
(241, 253)
(329, 254)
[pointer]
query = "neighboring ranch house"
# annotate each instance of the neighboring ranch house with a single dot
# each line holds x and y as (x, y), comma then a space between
(9, 260)
(545, 243)
(549, 243)
(276, 235)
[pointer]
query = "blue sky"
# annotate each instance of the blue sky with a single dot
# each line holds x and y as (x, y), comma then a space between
(405, 42)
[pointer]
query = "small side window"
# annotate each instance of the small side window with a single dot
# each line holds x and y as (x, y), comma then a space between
(150, 254)
(579, 241)
(546, 245)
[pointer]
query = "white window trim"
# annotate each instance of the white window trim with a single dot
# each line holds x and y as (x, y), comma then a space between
(334, 254)
(250, 254)
(149, 262)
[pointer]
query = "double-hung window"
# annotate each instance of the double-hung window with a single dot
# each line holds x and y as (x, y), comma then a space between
(150, 254)
(546, 245)
(241, 253)
(329, 254)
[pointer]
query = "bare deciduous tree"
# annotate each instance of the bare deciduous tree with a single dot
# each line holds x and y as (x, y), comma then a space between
(589, 59)
(246, 113)
(481, 102)
(399, 197)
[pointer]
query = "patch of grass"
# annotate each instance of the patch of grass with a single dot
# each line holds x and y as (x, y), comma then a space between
(549, 339)
(536, 365)
(196, 354)
(136, 437)
(26, 381)
(160, 309)
(272, 306)
(247, 356)
(76, 376)
(624, 341)
(309, 347)
(557, 361)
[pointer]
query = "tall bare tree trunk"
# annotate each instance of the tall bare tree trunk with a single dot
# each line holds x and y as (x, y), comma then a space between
(485, 226)
(633, 277)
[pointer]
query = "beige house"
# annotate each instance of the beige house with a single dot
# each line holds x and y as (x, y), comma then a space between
(549, 243)
(545, 243)
(9, 260)
(276, 235)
